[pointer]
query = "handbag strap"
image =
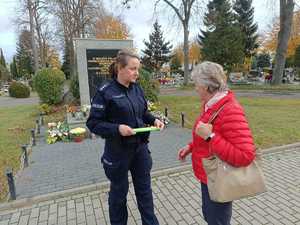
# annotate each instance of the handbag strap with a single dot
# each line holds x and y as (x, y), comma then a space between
(215, 114)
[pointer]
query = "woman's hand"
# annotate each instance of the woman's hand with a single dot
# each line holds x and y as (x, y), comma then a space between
(159, 124)
(203, 130)
(183, 152)
(126, 130)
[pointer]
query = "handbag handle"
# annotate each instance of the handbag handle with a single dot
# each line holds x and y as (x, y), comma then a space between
(214, 116)
(211, 119)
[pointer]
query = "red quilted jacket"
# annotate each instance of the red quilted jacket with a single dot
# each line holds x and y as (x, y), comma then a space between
(233, 141)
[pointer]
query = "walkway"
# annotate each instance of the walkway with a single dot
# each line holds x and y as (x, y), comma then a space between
(10, 102)
(177, 201)
(62, 166)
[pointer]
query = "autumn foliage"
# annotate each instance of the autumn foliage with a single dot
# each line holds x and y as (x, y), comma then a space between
(110, 27)
(194, 52)
(270, 40)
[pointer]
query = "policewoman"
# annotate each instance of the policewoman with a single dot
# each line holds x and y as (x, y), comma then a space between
(117, 108)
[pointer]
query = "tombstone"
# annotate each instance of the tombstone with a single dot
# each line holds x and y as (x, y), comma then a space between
(93, 58)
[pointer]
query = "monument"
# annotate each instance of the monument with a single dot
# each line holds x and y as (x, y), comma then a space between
(93, 58)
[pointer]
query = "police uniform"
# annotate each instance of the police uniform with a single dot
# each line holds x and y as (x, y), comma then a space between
(115, 104)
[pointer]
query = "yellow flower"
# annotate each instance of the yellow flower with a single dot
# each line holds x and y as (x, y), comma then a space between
(78, 131)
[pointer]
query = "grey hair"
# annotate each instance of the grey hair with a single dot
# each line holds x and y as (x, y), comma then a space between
(211, 75)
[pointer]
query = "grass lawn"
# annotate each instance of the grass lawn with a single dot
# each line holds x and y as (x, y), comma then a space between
(15, 125)
(273, 121)
(249, 87)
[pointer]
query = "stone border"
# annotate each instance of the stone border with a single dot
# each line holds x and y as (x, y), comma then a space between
(103, 186)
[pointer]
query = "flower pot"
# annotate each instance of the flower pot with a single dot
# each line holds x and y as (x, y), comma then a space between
(78, 139)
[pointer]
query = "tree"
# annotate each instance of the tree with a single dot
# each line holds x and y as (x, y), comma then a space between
(74, 16)
(245, 16)
(183, 11)
(157, 51)
(2, 59)
(30, 7)
(52, 59)
(222, 42)
(271, 37)
(24, 56)
(263, 60)
(4, 73)
(297, 57)
(175, 64)
(194, 53)
(110, 27)
(14, 69)
(66, 64)
(286, 18)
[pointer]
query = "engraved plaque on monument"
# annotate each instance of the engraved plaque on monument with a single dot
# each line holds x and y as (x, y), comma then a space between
(93, 58)
(98, 62)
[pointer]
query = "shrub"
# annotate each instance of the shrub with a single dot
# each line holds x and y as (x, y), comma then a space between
(49, 85)
(150, 87)
(75, 87)
(18, 90)
(44, 109)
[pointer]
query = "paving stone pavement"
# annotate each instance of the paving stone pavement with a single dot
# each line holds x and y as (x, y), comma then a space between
(62, 166)
(177, 201)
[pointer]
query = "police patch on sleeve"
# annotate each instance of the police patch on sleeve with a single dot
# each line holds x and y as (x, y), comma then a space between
(98, 106)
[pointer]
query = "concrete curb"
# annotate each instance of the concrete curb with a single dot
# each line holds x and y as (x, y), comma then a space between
(281, 148)
(103, 186)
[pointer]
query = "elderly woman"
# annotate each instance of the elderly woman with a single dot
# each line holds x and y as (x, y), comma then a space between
(229, 137)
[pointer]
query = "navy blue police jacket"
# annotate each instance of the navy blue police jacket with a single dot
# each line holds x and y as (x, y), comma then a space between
(116, 104)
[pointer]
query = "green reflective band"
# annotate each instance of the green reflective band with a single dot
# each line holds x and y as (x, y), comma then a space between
(145, 129)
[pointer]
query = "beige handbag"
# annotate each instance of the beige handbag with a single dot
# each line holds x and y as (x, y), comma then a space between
(227, 183)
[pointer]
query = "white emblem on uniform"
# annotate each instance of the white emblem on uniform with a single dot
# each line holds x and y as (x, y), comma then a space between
(97, 106)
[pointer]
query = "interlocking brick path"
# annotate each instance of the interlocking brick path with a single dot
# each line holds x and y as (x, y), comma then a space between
(63, 166)
(178, 201)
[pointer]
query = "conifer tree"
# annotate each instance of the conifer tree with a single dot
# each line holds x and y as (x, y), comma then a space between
(222, 41)
(297, 57)
(245, 16)
(157, 51)
(2, 59)
(24, 55)
(13, 69)
(175, 64)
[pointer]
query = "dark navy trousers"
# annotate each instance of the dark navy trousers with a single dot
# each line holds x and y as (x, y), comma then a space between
(215, 213)
(139, 163)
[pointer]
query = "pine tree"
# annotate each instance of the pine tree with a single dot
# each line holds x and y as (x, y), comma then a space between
(157, 50)
(222, 41)
(245, 16)
(175, 64)
(263, 60)
(13, 69)
(24, 57)
(2, 59)
(66, 68)
(297, 57)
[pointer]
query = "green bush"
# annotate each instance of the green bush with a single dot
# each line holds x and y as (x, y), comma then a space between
(75, 87)
(44, 109)
(49, 85)
(150, 87)
(18, 90)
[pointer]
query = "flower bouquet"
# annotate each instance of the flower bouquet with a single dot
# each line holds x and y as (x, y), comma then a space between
(78, 134)
(57, 132)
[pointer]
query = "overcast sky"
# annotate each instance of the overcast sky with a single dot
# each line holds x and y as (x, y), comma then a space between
(139, 18)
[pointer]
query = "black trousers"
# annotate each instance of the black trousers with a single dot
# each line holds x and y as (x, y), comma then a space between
(116, 170)
(215, 213)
